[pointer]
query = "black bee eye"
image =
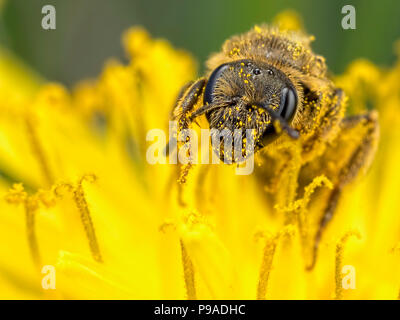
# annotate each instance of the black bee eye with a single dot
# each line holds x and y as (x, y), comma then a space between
(209, 91)
(287, 106)
(270, 72)
(256, 71)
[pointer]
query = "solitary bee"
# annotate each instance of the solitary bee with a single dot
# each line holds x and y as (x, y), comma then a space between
(271, 81)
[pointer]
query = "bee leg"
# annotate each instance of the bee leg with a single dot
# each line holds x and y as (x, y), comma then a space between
(365, 129)
(329, 119)
(181, 93)
(186, 102)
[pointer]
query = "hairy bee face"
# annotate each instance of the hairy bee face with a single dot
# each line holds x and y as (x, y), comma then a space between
(250, 95)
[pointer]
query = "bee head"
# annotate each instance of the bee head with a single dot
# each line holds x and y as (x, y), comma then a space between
(251, 95)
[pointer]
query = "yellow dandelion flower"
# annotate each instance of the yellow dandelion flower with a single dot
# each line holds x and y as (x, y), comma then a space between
(78, 195)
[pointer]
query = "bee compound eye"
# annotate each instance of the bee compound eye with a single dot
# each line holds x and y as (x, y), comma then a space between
(256, 71)
(212, 81)
(288, 103)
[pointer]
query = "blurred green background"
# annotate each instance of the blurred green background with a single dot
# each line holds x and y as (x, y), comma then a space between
(89, 31)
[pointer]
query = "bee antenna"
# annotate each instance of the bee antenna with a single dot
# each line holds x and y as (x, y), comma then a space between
(283, 123)
(195, 114)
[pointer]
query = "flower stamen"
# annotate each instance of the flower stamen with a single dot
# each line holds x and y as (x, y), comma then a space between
(269, 252)
(81, 203)
(83, 207)
(31, 207)
(17, 195)
(188, 272)
(339, 261)
(38, 151)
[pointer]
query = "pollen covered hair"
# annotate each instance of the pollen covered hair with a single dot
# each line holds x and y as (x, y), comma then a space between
(289, 51)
